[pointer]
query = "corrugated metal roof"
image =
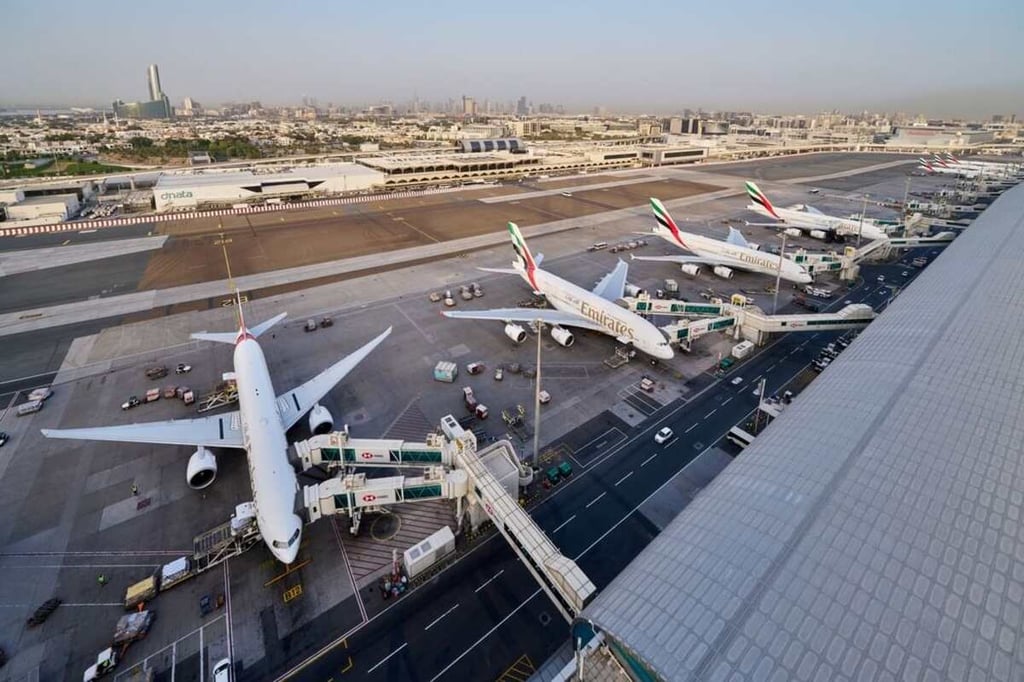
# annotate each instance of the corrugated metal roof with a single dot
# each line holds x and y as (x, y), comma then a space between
(874, 531)
(215, 177)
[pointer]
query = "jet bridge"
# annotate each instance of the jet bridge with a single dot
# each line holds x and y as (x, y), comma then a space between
(487, 481)
(338, 450)
(355, 494)
(560, 577)
(747, 321)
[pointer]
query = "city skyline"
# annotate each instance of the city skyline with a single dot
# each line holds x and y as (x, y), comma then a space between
(790, 60)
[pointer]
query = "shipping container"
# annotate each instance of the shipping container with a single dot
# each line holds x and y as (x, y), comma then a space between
(446, 371)
(425, 554)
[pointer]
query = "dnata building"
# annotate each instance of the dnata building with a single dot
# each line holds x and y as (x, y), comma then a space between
(210, 188)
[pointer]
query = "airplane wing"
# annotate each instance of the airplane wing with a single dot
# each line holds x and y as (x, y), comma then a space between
(291, 405)
(526, 315)
(219, 431)
(682, 260)
(613, 285)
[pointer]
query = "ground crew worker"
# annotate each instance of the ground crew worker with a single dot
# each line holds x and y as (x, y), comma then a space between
(102, 580)
(135, 489)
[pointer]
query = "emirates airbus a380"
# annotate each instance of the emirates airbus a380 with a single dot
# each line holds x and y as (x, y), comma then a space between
(258, 427)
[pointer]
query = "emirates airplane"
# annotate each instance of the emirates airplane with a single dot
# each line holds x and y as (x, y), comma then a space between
(258, 427)
(596, 310)
(809, 219)
(723, 256)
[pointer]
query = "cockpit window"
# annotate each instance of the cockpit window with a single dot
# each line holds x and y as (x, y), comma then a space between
(280, 544)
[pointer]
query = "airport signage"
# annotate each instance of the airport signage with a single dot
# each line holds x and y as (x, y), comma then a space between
(170, 196)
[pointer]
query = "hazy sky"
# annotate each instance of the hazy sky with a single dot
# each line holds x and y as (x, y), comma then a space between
(939, 56)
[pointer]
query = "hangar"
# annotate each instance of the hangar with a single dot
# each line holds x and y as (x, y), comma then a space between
(187, 191)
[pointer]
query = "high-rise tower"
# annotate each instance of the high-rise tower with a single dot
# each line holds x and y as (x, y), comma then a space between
(155, 93)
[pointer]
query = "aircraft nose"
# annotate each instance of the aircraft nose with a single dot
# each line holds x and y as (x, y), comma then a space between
(287, 556)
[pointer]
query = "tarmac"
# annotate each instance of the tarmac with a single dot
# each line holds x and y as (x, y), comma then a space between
(57, 543)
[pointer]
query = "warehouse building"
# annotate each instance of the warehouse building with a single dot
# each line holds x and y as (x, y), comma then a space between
(186, 191)
(929, 137)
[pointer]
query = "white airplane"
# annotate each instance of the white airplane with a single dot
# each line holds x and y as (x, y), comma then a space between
(258, 427)
(574, 306)
(997, 169)
(734, 253)
(809, 219)
(936, 168)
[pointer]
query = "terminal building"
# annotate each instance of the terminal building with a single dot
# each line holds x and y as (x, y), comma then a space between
(213, 189)
(873, 531)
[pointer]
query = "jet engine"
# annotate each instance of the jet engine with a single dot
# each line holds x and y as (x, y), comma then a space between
(202, 469)
(818, 234)
(320, 420)
(792, 232)
(515, 332)
(563, 336)
(690, 269)
(723, 272)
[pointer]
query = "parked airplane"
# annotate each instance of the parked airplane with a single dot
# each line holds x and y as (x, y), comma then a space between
(734, 253)
(258, 427)
(809, 219)
(936, 168)
(574, 306)
(996, 168)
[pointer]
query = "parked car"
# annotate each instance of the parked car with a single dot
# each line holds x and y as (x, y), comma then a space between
(499, 374)
(310, 325)
(133, 401)
(663, 435)
(182, 368)
(3, 438)
(736, 381)
(326, 322)
(545, 397)
(221, 670)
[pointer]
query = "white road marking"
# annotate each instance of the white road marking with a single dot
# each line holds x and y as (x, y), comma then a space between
(385, 659)
(594, 501)
(482, 638)
(492, 578)
(623, 479)
(710, 413)
(727, 400)
(692, 427)
(438, 619)
(644, 463)
(563, 523)
(770, 368)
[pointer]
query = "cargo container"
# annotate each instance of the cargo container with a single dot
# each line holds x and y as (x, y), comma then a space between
(140, 592)
(175, 572)
(742, 349)
(428, 552)
(446, 371)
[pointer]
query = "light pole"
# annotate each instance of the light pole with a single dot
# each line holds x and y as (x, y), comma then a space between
(778, 275)
(860, 226)
(536, 398)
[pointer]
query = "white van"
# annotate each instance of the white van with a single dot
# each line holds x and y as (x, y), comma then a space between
(221, 671)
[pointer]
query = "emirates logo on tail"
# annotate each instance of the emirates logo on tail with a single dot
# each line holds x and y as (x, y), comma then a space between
(758, 197)
(519, 244)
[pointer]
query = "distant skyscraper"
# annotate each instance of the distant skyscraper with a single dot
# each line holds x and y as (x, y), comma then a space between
(468, 106)
(158, 106)
(155, 92)
(522, 109)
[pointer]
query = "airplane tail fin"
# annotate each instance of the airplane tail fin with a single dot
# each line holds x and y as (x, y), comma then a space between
(665, 221)
(526, 261)
(242, 333)
(758, 197)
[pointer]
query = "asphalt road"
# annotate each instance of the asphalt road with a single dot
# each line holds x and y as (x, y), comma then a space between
(79, 281)
(36, 241)
(27, 359)
(485, 612)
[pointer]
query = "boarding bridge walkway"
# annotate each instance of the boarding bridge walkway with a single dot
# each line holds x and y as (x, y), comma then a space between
(454, 470)
(560, 577)
(355, 494)
(747, 321)
(337, 450)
